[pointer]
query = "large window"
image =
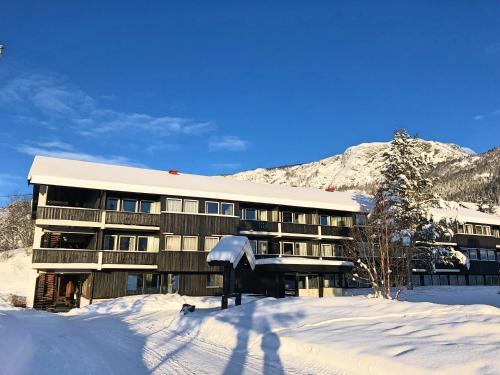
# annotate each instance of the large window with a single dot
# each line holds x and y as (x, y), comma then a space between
(287, 217)
(174, 205)
(172, 243)
(214, 281)
(152, 283)
(135, 283)
(288, 248)
(109, 242)
(496, 232)
(190, 206)
(227, 209)
(250, 214)
(324, 220)
(301, 248)
(127, 243)
(129, 205)
(299, 218)
(112, 204)
(326, 250)
(142, 243)
(212, 208)
(210, 243)
(190, 243)
(146, 207)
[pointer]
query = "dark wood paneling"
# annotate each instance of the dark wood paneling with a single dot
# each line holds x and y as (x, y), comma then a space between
(125, 257)
(335, 231)
(110, 284)
(258, 226)
(299, 228)
(198, 224)
(184, 261)
(487, 242)
(196, 285)
(64, 256)
(132, 218)
(68, 213)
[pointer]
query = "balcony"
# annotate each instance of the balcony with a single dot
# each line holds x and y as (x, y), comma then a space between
(335, 231)
(258, 226)
(299, 228)
(132, 218)
(92, 259)
(75, 214)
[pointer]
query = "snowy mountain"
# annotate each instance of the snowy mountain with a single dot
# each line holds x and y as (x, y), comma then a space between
(359, 167)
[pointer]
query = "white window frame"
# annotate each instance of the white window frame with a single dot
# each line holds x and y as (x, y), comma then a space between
(133, 242)
(115, 245)
(146, 201)
(212, 238)
(283, 247)
(298, 248)
(206, 207)
(171, 236)
(221, 211)
(283, 216)
(254, 244)
(259, 247)
(299, 218)
(469, 229)
(147, 244)
(129, 199)
(326, 245)
(327, 220)
(174, 200)
(183, 243)
(191, 200)
(262, 215)
(118, 204)
(256, 214)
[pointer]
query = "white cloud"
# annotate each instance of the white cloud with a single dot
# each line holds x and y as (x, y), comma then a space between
(485, 115)
(58, 99)
(66, 151)
(226, 166)
(228, 143)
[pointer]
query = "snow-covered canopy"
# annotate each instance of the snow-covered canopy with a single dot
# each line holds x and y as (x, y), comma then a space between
(73, 173)
(231, 249)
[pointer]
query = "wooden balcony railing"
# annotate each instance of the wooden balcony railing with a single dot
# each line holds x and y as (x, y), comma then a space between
(335, 231)
(132, 218)
(64, 256)
(299, 228)
(258, 226)
(129, 257)
(68, 213)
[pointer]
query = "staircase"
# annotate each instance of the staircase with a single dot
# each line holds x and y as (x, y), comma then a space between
(45, 292)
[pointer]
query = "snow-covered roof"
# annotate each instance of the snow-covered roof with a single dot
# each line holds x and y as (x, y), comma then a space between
(305, 261)
(231, 249)
(55, 171)
(464, 215)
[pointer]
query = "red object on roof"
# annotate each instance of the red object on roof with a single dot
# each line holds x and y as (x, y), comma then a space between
(173, 171)
(331, 189)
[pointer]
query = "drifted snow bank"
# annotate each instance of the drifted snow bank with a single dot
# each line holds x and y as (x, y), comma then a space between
(16, 274)
(352, 335)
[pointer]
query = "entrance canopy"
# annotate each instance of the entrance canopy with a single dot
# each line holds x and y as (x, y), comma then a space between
(231, 249)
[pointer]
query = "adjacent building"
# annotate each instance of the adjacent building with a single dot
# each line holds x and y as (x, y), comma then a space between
(104, 231)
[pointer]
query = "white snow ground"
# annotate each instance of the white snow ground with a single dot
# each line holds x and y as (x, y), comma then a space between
(440, 330)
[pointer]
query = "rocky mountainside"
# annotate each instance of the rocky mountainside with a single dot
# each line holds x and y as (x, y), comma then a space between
(460, 174)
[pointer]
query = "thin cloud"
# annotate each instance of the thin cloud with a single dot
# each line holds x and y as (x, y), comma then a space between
(226, 166)
(485, 115)
(57, 99)
(228, 143)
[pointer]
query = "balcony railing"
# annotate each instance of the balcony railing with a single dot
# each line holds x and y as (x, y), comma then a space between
(132, 218)
(299, 228)
(258, 226)
(64, 256)
(335, 231)
(128, 257)
(68, 213)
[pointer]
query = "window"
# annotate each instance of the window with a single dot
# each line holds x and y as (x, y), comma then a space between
(190, 206)
(210, 242)
(472, 254)
(190, 243)
(491, 255)
(460, 228)
(287, 217)
(288, 248)
(173, 242)
(263, 247)
(214, 281)
(250, 214)
(109, 242)
(484, 254)
(486, 230)
(127, 243)
(142, 244)
(496, 232)
(263, 215)
(146, 207)
(347, 221)
(326, 250)
(129, 205)
(212, 208)
(227, 209)
(324, 220)
(135, 283)
(112, 204)
(337, 250)
(301, 248)
(479, 229)
(299, 218)
(174, 205)
(315, 250)
(254, 245)
(336, 221)
(469, 229)
(152, 283)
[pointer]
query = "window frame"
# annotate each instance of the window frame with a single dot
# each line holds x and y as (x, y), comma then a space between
(191, 200)
(221, 211)
(472, 251)
(151, 203)
(206, 207)
(147, 244)
(283, 247)
(205, 242)
(115, 241)
(173, 200)
(246, 214)
(283, 216)
(327, 220)
(128, 236)
(166, 242)
(197, 243)
(118, 204)
(219, 284)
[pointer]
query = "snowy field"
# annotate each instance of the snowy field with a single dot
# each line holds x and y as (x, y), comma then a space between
(441, 330)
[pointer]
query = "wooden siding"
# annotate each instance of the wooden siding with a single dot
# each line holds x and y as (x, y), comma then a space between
(196, 285)
(335, 231)
(110, 284)
(68, 213)
(64, 256)
(128, 257)
(299, 228)
(132, 218)
(476, 241)
(258, 226)
(184, 261)
(198, 225)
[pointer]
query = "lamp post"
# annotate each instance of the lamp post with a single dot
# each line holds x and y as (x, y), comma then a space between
(407, 244)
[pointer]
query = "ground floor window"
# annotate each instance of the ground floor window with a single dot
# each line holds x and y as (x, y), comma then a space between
(332, 280)
(135, 282)
(152, 283)
(214, 281)
(491, 280)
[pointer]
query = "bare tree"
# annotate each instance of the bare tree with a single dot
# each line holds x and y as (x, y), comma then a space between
(17, 225)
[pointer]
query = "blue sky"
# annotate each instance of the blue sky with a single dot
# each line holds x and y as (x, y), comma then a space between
(218, 87)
